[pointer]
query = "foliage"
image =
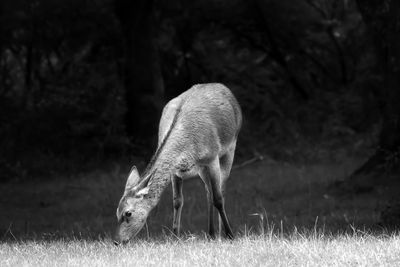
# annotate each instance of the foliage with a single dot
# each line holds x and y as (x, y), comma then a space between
(302, 70)
(61, 93)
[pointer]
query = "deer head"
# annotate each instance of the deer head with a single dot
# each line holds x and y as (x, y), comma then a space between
(133, 208)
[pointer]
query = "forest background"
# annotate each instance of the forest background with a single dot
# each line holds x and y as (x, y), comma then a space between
(83, 83)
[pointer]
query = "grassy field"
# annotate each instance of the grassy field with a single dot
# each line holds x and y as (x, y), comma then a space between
(282, 193)
(317, 249)
(69, 221)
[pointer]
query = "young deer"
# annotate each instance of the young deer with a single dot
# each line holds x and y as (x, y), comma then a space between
(197, 136)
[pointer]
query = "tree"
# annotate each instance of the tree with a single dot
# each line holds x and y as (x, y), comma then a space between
(143, 81)
(382, 18)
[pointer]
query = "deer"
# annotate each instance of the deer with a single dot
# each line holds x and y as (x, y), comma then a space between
(197, 136)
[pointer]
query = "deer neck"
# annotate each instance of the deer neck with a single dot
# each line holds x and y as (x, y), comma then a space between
(161, 172)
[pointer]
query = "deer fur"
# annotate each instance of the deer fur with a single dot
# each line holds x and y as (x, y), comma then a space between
(197, 136)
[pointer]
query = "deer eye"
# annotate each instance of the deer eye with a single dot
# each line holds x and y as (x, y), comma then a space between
(128, 214)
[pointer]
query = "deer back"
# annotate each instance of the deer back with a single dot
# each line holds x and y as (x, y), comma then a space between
(202, 122)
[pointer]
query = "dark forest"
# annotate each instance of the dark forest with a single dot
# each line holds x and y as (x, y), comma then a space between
(83, 84)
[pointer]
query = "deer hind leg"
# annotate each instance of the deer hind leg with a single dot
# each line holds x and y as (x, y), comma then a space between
(207, 185)
(177, 203)
(212, 172)
(226, 166)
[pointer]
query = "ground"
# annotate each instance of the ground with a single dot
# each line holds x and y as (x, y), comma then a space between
(282, 214)
(312, 249)
(263, 192)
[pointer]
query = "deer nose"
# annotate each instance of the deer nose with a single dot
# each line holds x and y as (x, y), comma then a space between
(117, 240)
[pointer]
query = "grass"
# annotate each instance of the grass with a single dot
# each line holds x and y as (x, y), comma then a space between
(85, 204)
(297, 249)
(69, 221)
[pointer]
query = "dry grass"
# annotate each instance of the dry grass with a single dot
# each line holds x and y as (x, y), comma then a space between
(71, 219)
(357, 249)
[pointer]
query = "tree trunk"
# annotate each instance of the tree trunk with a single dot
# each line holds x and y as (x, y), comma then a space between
(275, 52)
(382, 18)
(143, 81)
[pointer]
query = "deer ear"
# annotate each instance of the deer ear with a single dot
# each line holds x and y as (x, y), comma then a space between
(133, 178)
(142, 192)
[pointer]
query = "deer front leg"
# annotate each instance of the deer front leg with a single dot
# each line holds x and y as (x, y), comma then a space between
(177, 203)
